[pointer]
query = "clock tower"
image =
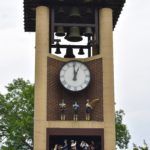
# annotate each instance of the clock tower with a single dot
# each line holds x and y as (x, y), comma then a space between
(74, 83)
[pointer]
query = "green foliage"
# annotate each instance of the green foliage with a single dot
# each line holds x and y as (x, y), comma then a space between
(122, 134)
(16, 116)
(144, 147)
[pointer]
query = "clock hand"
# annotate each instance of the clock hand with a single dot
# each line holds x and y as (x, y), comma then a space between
(75, 75)
(77, 71)
(74, 72)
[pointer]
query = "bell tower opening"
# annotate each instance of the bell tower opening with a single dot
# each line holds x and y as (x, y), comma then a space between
(94, 141)
(78, 138)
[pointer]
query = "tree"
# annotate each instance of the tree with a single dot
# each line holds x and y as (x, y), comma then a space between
(135, 147)
(122, 134)
(144, 147)
(16, 116)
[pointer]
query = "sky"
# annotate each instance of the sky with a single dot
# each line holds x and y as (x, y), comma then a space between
(131, 60)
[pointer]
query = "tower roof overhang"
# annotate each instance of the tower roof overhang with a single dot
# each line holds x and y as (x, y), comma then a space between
(30, 6)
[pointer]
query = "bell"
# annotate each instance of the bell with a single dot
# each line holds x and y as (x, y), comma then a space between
(60, 31)
(57, 51)
(69, 53)
(88, 32)
(74, 13)
(81, 52)
(74, 35)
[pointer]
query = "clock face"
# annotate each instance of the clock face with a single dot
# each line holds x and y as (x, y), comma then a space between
(75, 76)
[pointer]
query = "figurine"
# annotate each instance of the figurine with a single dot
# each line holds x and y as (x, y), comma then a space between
(84, 145)
(92, 145)
(62, 107)
(73, 145)
(65, 147)
(75, 109)
(58, 147)
(89, 107)
(55, 147)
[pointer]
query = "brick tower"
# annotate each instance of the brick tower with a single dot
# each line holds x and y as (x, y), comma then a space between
(74, 84)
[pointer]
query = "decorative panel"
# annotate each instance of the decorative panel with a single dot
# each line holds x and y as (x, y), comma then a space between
(55, 92)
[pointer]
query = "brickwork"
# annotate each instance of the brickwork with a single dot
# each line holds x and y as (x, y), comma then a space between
(56, 92)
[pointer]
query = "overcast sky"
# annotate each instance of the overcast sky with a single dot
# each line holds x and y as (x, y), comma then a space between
(131, 60)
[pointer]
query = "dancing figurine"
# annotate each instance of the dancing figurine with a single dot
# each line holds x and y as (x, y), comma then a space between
(62, 107)
(75, 109)
(89, 107)
(73, 145)
(65, 147)
(57, 147)
(92, 145)
(84, 145)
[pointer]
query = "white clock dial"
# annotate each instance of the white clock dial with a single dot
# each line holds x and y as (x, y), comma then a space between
(75, 76)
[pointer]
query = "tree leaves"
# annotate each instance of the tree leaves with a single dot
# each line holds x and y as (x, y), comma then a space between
(122, 134)
(16, 116)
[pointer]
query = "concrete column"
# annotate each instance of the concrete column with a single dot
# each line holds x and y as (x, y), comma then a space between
(42, 48)
(106, 47)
